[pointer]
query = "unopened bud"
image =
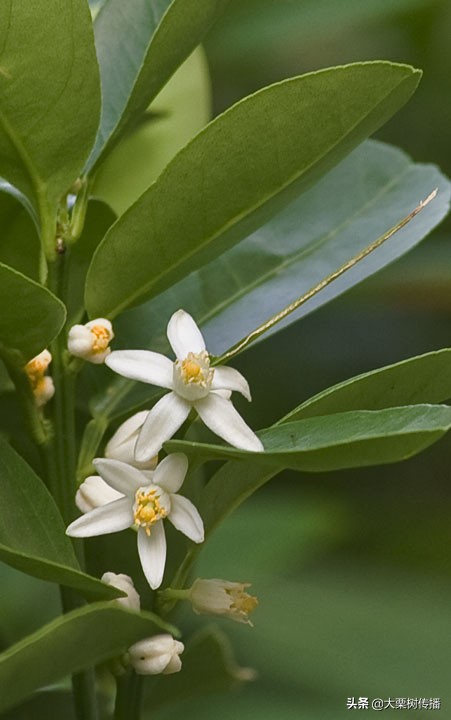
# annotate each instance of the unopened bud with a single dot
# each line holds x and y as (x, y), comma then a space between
(122, 445)
(124, 583)
(91, 341)
(93, 493)
(155, 655)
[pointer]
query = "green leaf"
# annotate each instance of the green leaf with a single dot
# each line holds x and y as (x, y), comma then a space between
(209, 667)
(70, 643)
(422, 379)
(19, 242)
(50, 96)
(343, 440)
(31, 315)
(207, 198)
(369, 191)
(44, 705)
(32, 532)
(180, 110)
(138, 52)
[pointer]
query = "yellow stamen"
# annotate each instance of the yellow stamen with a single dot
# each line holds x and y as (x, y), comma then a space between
(148, 509)
(102, 338)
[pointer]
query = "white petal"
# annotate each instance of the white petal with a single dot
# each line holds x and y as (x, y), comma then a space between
(162, 422)
(221, 417)
(185, 517)
(125, 431)
(184, 335)
(143, 365)
(170, 473)
(227, 378)
(115, 516)
(119, 475)
(152, 553)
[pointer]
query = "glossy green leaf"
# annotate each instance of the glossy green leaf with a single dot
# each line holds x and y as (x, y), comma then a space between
(32, 532)
(19, 241)
(31, 315)
(180, 110)
(207, 198)
(138, 50)
(422, 379)
(50, 95)
(342, 440)
(209, 667)
(374, 187)
(44, 705)
(70, 643)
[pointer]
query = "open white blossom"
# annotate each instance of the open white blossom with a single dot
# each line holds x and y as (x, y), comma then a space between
(148, 499)
(223, 597)
(94, 492)
(155, 655)
(91, 341)
(122, 445)
(192, 382)
(124, 583)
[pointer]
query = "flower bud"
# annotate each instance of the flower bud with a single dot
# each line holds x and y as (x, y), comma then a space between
(222, 597)
(91, 341)
(124, 583)
(122, 445)
(93, 493)
(155, 655)
(42, 385)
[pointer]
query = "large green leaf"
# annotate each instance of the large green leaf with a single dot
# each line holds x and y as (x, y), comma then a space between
(32, 532)
(237, 173)
(342, 440)
(422, 379)
(31, 316)
(50, 95)
(180, 110)
(370, 190)
(139, 49)
(70, 643)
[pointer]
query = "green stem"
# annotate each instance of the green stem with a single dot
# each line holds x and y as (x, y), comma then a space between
(83, 683)
(92, 437)
(128, 697)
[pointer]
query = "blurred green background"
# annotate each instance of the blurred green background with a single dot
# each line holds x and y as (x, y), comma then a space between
(352, 569)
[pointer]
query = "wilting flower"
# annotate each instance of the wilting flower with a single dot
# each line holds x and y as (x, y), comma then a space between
(148, 499)
(41, 384)
(122, 445)
(192, 382)
(91, 341)
(124, 583)
(222, 597)
(94, 492)
(155, 655)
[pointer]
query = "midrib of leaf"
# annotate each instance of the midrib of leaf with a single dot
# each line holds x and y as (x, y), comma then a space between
(39, 186)
(254, 208)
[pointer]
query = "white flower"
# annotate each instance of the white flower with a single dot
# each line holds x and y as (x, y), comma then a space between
(148, 499)
(94, 492)
(122, 445)
(124, 583)
(155, 655)
(41, 384)
(192, 382)
(91, 341)
(222, 597)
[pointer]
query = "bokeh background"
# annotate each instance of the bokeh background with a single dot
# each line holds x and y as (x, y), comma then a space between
(352, 569)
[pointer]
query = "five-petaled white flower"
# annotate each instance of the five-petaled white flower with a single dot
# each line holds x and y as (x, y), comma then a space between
(192, 382)
(148, 499)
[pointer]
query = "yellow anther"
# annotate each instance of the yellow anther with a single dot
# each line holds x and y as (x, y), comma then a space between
(102, 338)
(148, 509)
(191, 370)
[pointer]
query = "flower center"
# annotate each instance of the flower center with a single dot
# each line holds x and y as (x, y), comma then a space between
(193, 376)
(148, 509)
(102, 338)
(242, 602)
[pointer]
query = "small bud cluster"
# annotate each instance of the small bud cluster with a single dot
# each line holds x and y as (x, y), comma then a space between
(41, 384)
